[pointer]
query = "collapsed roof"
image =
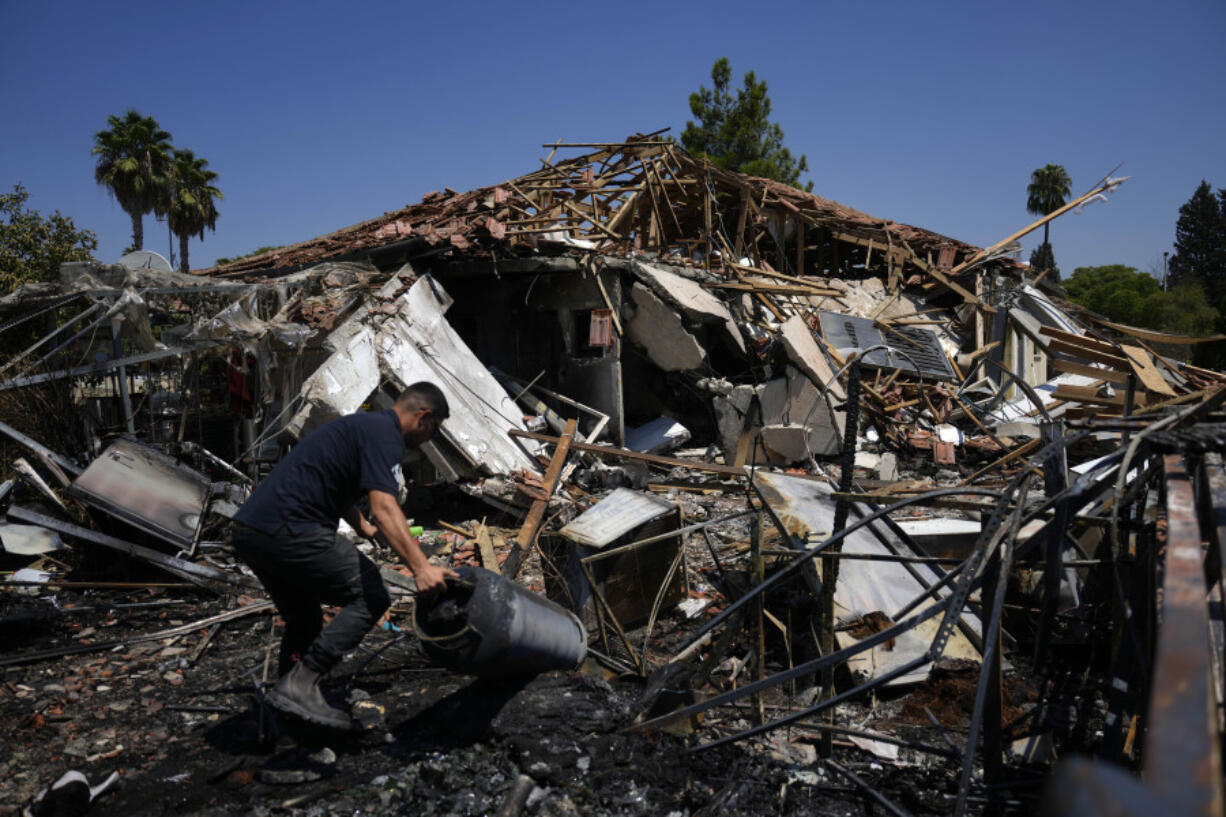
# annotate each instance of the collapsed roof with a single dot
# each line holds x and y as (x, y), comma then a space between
(641, 195)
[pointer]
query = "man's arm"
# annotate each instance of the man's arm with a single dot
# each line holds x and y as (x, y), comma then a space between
(391, 523)
(358, 522)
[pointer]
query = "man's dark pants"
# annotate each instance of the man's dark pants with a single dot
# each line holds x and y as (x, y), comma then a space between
(304, 570)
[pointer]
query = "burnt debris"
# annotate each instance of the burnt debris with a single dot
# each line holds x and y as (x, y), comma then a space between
(826, 509)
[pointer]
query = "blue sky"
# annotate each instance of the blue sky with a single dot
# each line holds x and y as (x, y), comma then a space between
(319, 115)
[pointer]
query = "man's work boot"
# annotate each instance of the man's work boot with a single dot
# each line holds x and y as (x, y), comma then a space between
(297, 693)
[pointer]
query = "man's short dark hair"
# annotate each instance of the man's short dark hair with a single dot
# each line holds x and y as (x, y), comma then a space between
(425, 395)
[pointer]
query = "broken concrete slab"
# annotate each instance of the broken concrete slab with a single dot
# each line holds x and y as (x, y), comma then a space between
(793, 443)
(794, 401)
(801, 423)
(689, 297)
(1015, 430)
(804, 352)
(887, 467)
(658, 329)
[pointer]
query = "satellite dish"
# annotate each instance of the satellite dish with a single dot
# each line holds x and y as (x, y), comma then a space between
(146, 260)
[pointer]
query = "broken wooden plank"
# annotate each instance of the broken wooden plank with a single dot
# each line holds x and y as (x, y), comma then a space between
(1108, 185)
(967, 296)
(775, 289)
(1145, 370)
(625, 453)
(485, 546)
(1073, 367)
(536, 514)
(1093, 355)
(1152, 336)
(1026, 448)
(1088, 394)
(1190, 397)
(1083, 341)
(608, 302)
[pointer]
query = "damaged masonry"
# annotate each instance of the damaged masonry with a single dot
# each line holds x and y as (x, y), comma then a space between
(849, 511)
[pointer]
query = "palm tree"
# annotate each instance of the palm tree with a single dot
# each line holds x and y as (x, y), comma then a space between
(133, 158)
(193, 200)
(1047, 192)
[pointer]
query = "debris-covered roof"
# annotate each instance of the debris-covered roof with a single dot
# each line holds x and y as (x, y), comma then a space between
(652, 189)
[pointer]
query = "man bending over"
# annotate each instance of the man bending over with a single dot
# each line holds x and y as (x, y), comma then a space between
(287, 535)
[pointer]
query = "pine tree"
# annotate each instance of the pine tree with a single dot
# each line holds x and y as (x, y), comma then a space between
(1200, 243)
(735, 132)
(1044, 259)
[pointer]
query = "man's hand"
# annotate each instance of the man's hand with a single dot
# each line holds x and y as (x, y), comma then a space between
(432, 579)
(368, 530)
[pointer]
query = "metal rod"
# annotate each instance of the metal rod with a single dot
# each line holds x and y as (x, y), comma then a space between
(29, 316)
(620, 549)
(70, 322)
(880, 680)
(37, 447)
(888, 804)
(104, 366)
(1182, 747)
(806, 668)
(813, 551)
(989, 669)
(1055, 480)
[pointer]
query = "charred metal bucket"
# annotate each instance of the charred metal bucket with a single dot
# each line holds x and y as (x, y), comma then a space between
(483, 624)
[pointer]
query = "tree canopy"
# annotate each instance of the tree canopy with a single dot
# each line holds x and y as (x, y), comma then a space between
(33, 246)
(735, 132)
(134, 165)
(1124, 295)
(1200, 243)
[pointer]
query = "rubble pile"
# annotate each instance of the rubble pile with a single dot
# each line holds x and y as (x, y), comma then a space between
(850, 512)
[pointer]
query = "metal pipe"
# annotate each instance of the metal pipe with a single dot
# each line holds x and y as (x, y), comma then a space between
(888, 804)
(813, 551)
(1182, 748)
(125, 401)
(71, 321)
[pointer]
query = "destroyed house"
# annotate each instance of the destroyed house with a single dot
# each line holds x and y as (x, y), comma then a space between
(640, 282)
(628, 283)
(865, 437)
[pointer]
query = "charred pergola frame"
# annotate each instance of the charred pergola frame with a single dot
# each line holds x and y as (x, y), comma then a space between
(1157, 586)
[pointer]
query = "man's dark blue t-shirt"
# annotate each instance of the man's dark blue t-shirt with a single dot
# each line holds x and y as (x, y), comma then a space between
(327, 472)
